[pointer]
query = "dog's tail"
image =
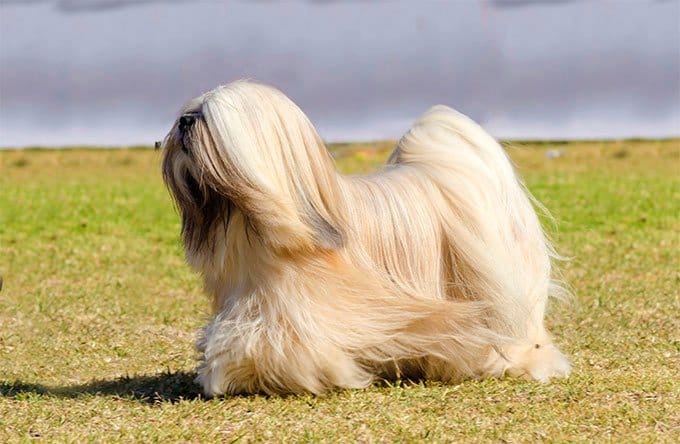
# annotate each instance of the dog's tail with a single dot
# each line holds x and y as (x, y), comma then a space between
(497, 246)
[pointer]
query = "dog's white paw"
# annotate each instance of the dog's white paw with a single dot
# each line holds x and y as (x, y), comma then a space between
(543, 362)
(540, 362)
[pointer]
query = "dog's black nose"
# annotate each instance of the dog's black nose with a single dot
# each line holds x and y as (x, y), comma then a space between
(186, 121)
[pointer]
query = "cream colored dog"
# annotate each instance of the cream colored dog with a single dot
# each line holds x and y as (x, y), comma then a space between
(435, 267)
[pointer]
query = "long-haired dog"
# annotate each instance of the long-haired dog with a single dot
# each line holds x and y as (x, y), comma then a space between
(436, 267)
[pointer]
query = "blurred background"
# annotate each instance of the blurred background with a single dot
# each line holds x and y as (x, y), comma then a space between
(115, 72)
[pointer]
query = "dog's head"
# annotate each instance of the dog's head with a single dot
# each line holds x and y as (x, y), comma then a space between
(246, 148)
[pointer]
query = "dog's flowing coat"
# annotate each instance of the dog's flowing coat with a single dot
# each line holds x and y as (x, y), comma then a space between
(435, 267)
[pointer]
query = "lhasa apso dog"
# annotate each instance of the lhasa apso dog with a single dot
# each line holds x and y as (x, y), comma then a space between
(436, 267)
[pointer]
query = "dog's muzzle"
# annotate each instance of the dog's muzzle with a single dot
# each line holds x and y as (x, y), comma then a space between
(186, 121)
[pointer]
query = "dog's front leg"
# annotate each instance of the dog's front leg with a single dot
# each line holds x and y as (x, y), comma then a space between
(261, 353)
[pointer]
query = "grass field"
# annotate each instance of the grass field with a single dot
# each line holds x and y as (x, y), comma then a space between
(98, 312)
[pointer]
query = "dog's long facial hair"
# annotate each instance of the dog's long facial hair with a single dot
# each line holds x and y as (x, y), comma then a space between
(436, 267)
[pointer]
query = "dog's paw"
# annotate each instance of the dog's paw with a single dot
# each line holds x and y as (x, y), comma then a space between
(539, 362)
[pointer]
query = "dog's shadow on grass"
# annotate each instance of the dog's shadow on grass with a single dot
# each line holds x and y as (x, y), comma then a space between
(162, 387)
(149, 389)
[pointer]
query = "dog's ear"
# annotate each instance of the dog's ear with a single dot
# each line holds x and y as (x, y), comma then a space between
(289, 203)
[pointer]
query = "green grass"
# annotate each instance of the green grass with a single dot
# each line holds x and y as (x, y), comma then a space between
(98, 312)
